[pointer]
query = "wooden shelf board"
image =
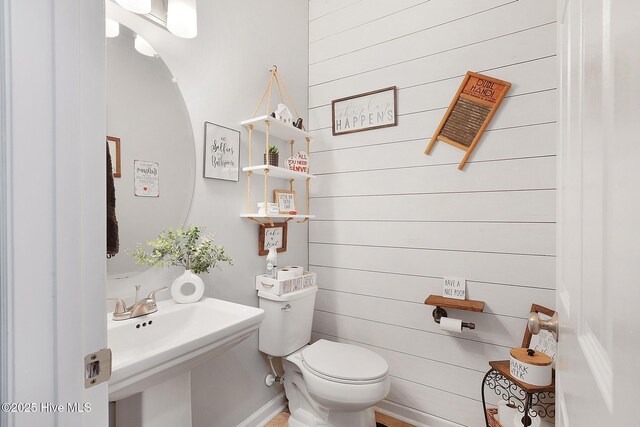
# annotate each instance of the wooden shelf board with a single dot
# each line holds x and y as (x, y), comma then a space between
(502, 366)
(277, 216)
(276, 128)
(467, 304)
(276, 172)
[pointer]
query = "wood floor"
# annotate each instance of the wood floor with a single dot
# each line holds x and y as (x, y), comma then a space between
(280, 420)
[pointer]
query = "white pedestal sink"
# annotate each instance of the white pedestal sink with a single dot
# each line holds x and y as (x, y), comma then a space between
(152, 349)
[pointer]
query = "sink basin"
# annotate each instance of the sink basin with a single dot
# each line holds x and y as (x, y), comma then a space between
(150, 349)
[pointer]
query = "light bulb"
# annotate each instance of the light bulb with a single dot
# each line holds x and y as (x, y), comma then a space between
(182, 18)
(144, 47)
(111, 28)
(136, 6)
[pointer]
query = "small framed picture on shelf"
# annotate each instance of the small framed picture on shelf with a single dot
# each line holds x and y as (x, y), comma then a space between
(272, 236)
(286, 200)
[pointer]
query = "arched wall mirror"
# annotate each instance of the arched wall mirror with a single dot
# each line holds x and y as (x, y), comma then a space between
(147, 113)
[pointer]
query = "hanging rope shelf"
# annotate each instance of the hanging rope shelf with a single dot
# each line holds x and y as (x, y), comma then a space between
(273, 127)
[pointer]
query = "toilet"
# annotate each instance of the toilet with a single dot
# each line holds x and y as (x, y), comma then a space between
(327, 383)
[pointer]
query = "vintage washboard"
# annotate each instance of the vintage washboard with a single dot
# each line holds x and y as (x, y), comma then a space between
(470, 112)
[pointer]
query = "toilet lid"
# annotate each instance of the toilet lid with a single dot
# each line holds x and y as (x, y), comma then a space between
(344, 361)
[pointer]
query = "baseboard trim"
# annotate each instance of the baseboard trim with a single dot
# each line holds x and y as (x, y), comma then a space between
(266, 412)
(413, 416)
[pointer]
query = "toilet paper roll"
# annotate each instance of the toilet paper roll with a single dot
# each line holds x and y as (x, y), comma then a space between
(286, 273)
(506, 413)
(449, 324)
(181, 286)
(298, 270)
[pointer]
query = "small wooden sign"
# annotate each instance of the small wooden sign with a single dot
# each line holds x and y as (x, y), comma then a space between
(470, 112)
(299, 163)
(272, 236)
(454, 287)
(286, 201)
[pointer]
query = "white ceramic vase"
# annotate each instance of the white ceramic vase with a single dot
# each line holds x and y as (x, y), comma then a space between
(187, 279)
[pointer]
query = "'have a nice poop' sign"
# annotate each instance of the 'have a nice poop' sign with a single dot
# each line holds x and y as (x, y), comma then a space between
(299, 163)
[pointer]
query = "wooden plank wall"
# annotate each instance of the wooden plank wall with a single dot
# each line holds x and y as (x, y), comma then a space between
(391, 222)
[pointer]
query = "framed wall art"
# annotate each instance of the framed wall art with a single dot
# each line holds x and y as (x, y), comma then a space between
(221, 152)
(272, 236)
(114, 152)
(366, 111)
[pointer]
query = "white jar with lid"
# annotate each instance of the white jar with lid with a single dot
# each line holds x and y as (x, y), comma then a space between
(531, 367)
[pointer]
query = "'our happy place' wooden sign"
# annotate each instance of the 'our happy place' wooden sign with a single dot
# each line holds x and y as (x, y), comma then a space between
(365, 111)
(470, 112)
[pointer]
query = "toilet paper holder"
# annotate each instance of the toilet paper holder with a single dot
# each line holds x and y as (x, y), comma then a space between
(440, 312)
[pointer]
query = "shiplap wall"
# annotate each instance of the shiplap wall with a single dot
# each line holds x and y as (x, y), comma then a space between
(391, 222)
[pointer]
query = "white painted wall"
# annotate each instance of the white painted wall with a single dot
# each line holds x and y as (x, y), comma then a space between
(221, 74)
(391, 222)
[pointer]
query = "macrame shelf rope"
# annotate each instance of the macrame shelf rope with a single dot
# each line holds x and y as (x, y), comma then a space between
(276, 80)
(275, 77)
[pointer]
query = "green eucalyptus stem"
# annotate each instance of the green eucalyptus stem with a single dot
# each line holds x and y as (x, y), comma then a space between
(185, 248)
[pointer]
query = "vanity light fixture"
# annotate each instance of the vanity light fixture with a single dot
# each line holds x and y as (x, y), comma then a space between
(182, 18)
(144, 47)
(111, 28)
(136, 6)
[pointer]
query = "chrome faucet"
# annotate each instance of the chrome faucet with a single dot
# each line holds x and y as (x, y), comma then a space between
(139, 308)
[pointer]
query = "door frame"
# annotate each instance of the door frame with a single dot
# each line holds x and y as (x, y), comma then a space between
(52, 201)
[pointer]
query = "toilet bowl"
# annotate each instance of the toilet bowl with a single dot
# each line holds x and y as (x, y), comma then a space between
(334, 384)
(328, 384)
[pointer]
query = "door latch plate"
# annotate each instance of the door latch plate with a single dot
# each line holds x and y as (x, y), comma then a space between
(97, 367)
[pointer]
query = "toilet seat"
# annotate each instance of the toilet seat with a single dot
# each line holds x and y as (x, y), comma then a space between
(344, 363)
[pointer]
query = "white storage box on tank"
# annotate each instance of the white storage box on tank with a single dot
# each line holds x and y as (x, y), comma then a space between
(287, 321)
(285, 286)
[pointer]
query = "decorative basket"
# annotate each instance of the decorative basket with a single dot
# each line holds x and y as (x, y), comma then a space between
(271, 159)
(286, 286)
(491, 413)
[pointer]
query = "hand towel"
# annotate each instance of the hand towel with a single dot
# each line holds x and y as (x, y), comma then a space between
(113, 240)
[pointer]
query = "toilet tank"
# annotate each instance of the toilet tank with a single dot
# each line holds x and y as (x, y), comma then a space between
(287, 321)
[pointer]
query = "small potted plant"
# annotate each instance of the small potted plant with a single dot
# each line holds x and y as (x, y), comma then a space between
(271, 157)
(187, 249)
